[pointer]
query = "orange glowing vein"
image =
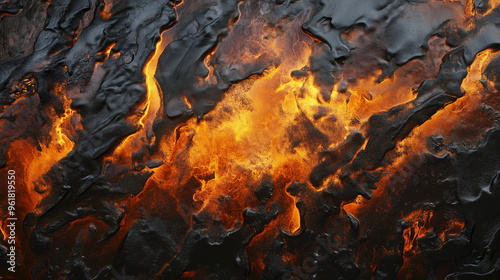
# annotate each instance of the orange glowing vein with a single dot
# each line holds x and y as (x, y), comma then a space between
(153, 100)
(153, 95)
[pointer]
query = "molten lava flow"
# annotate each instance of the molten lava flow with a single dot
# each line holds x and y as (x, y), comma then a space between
(493, 4)
(346, 139)
(450, 120)
(153, 100)
(148, 109)
(424, 232)
(33, 162)
(419, 226)
(246, 140)
(107, 50)
(57, 148)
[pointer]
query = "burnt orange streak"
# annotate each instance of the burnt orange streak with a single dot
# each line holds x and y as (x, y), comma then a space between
(367, 96)
(454, 227)
(419, 226)
(483, 59)
(150, 107)
(188, 275)
(448, 122)
(186, 101)
(19, 155)
(255, 249)
(108, 49)
(105, 13)
(469, 8)
(31, 163)
(494, 4)
(211, 79)
(4, 230)
(52, 150)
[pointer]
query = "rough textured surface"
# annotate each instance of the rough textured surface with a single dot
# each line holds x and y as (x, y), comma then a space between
(249, 139)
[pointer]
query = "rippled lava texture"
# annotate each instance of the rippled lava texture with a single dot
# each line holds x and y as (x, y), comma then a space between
(251, 139)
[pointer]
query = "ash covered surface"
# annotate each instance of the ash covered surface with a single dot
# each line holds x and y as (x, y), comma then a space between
(231, 139)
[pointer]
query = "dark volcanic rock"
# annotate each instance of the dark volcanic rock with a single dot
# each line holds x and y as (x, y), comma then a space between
(337, 196)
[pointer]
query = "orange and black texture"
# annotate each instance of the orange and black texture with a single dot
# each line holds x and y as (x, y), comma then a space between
(249, 139)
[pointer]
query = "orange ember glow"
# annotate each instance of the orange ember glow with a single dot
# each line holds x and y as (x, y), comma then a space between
(419, 226)
(37, 161)
(106, 10)
(55, 149)
(448, 122)
(275, 125)
(108, 49)
(148, 109)
(248, 134)
(493, 4)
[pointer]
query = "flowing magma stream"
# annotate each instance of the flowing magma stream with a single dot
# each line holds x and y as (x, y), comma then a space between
(250, 139)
